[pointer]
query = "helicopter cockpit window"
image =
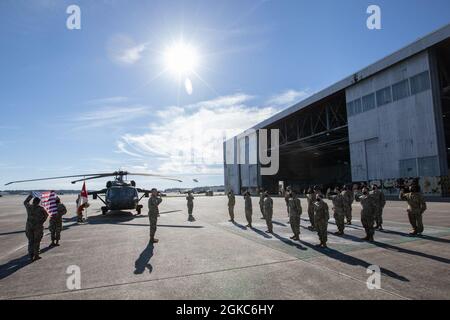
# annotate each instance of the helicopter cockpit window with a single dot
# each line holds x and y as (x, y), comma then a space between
(122, 192)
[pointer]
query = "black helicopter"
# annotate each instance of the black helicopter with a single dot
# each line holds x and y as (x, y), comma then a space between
(119, 194)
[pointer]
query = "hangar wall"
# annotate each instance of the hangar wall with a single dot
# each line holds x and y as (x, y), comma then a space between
(391, 123)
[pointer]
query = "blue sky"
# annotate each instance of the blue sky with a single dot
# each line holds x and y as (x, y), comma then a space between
(99, 99)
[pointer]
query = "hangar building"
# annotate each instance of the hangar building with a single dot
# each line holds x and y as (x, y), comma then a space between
(387, 122)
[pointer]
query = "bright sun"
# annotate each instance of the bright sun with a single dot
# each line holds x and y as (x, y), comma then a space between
(181, 59)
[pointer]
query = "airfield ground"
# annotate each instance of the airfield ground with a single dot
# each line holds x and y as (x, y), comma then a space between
(214, 259)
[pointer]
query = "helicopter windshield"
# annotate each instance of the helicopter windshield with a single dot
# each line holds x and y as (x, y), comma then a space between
(122, 192)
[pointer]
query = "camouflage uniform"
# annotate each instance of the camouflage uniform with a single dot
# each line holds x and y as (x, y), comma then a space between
(311, 198)
(248, 208)
(231, 203)
(339, 211)
(321, 217)
(55, 225)
(349, 198)
(379, 202)
(295, 211)
(261, 203)
(153, 213)
(36, 216)
(367, 214)
(416, 208)
(286, 199)
(268, 212)
(190, 206)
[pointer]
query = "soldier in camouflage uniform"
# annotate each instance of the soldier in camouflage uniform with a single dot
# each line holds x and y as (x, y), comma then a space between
(287, 196)
(55, 225)
(416, 208)
(349, 197)
(339, 209)
(380, 202)
(295, 211)
(36, 216)
(153, 213)
(231, 203)
(190, 206)
(367, 212)
(321, 217)
(311, 198)
(268, 211)
(261, 202)
(248, 208)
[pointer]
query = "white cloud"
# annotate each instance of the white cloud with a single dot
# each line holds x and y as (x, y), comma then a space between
(124, 50)
(109, 100)
(110, 116)
(288, 97)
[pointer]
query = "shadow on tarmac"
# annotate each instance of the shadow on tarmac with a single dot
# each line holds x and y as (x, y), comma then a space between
(143, 261)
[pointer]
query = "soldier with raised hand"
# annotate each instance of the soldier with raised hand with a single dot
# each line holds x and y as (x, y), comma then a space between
(380, 202)
(295, 211)
(268, 211)
(367, 212)
(36, 216)
(190, 206)
(321, 217)
(311, 198)
(261, 202)
(349, 197)
(231, 204)
(153, 212)
(416, 207)
(339, 209)
(248, 208)
(55, 225)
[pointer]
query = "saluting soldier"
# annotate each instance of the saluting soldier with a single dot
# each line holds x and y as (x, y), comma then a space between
(261, 202)
(153, 213)
(339, 209)
(349, 197)
(190, 206)
(295, 211)
(36, 216)
(55, 225)
(248, 208)
(231, 203)
(379, 202)
(367, 212)
(416, 208)
(321, 217)
(268, 211)
(311, 198)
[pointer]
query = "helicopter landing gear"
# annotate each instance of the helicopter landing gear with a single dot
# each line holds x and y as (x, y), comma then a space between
(139, 209)
(104, 210)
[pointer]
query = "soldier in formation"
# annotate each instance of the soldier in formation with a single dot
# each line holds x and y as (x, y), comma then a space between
(190, 206)
(349, 197)
(321, 217)
(153, 213)
(339, 209)
(416, 208)
(287, 196)
(36, 216)
(379, 203)
(55, 225)
(231, 204)
(248, 208)
(295, 211)
(268, 211)
(261, 202)
(367, 212)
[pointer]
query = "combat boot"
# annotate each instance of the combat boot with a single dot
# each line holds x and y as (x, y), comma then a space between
(57, 243)
(36, 257)
(52, 244)
(154, 240)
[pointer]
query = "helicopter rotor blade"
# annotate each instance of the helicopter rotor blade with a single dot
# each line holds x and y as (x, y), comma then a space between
(55, 178)
(155, 176)
(95, 177)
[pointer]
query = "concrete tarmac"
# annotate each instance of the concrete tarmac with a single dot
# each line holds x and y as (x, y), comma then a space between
(212, 258)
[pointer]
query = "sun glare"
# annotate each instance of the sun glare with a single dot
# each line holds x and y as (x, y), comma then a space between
(181, 59)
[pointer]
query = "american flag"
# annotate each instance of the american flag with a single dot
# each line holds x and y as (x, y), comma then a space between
(48, 201)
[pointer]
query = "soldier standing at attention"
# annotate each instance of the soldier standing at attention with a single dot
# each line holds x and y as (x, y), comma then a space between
(55, 225)
(416, 208)
(190, 206)
(268, 211)
(261, 202)
(248, 208)
(231, 203)
(153, 213)
(367, 212)
(321, 217)
(287, 196)
(295, 211)
(36, 216)
(339, 209)
(311, 198)
(349, 197)
(380, 202)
